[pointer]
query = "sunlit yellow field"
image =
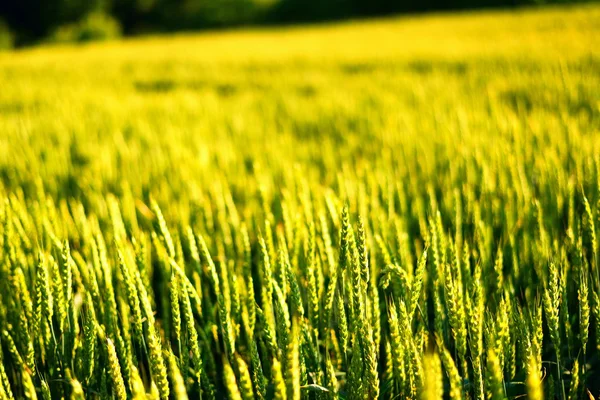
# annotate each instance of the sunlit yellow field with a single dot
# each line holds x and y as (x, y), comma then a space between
(385, 209)
(282, 96)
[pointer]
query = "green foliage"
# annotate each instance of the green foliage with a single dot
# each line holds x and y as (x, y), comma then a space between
(6, 37)
(94, 26)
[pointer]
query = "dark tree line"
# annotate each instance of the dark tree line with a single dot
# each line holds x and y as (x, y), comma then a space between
(30, 21)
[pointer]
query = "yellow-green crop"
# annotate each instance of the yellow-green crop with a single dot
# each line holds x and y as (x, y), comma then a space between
(385, 209)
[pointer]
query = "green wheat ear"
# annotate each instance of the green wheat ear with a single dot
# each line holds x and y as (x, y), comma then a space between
(494, 385)
(259, 381)
(133, 299)
(574, 386)
(245, 380)
(158, 369)
(456, 384)
(278, 382)
(230, 381)
(89, 341)
(434, 384)
(534, 380)
(4, 382)
(584, 311)
(177, 382)
(43, 300)
(114, 370)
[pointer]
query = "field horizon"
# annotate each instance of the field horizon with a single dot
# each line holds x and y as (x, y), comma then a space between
(417, 22)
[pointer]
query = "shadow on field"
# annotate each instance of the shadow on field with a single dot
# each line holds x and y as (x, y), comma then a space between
(417, 67)
(15, 107)
(527, 101)
(222, 89)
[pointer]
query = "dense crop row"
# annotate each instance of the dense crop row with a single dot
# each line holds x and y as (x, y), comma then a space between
(433, 292)
(251, 221)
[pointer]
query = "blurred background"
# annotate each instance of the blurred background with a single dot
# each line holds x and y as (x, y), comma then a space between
(27, 22)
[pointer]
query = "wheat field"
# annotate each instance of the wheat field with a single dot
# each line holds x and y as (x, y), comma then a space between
(394, 208)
